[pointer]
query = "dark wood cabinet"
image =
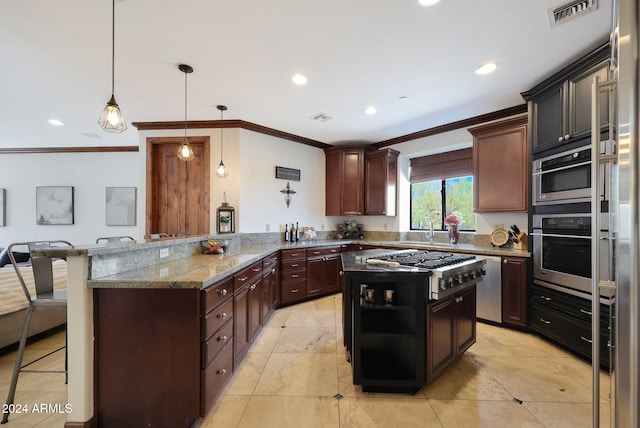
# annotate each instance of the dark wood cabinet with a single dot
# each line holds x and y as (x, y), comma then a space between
(560, 106)
(344, 181)
(323, 270)
(360, 181)
(246, 307)
(270, 286)
(380, 178)
(514, 290)
(451, 330)
(293, 275)
(501, 165)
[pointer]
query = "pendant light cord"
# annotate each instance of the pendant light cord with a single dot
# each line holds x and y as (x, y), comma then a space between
(113, 44)
(221, 117)
(185, 107)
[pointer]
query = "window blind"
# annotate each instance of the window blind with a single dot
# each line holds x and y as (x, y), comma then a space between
(458, 163)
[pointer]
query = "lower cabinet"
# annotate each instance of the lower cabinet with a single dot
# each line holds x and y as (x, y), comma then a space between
(514, 290)
(451, 330)
(247, 302)
(323, 270)
(270, 286)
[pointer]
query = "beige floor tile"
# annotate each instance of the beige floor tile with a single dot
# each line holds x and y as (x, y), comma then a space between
(466, 379)
(294, 412)
(380, 412)
(247, 374)
(534, 379)
(279, 317)
(581, 372)
(567, 415)
(266, 340)
(307, 340)
(499, 342)
(226, 412)
(299, 374)
(328, 303)
(311, 318)
(483, 414)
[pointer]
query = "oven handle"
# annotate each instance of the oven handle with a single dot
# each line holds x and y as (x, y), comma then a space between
(558, 235)
(562, 168)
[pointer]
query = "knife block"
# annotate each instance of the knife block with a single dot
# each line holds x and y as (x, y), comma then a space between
(523, 241)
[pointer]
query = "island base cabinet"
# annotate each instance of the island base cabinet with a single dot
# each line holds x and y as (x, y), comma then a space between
(147, 357)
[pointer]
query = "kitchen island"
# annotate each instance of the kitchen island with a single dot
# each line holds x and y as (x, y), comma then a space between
(404, 325)
(149, 311)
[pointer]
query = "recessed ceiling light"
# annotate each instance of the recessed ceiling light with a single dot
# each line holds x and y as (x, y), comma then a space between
(487, 68)
(370, 110)
(56, 122)
(402, 98)
(427, 3)
(299, 79)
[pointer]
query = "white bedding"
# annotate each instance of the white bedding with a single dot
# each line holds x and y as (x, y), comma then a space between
(12, 298)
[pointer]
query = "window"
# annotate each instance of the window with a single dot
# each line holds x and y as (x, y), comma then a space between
(438, 198)
(442, 184)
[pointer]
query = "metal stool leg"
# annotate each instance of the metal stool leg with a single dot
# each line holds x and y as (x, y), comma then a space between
(18, 364)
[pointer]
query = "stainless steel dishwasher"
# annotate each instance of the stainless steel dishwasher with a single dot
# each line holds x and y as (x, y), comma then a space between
(489, 291)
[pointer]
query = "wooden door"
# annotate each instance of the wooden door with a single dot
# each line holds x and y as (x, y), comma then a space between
(177, 191)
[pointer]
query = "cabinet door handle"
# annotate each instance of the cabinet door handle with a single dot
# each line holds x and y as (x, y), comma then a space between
(295, 290)
(545, 321)
(548, 299)
(585, 312)
(221, 372)
(315, 253)
(222, 338)
(294, 254)
(560, 139)
(586, 340)
(566, 137)
(252, 287)
(273, 270)
(223, 292)
(295, 276)
(256, 269)
(222, 315)
(295, 265)
(244, 278)
(334, 251)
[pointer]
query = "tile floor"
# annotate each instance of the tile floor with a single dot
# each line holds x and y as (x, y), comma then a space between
(297, 365)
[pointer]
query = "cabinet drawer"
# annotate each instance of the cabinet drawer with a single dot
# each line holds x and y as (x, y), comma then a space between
(217, 318)
(270, 261)
(216, 375)
(217, 293)
(288, 255)
(294, 265)
(322, 251)
(214, 345)
(293, 291)
(295, 276)
(247, 274)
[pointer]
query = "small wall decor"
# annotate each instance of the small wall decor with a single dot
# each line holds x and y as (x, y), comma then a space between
(288, 191)
(120, 206)
(225, 217)
(54, 205)
(287, 173)
(3, 206)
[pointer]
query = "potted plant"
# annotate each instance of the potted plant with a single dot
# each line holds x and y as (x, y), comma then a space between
(224, 223)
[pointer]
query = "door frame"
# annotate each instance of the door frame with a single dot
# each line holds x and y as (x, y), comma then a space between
(151, 141)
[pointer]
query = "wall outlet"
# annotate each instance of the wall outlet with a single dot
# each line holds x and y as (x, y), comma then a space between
(267, 227)
(164, 272)
(385, 226)
(322, 226)
(164, 252)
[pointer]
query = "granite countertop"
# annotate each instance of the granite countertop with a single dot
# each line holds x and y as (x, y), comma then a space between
(202, 270)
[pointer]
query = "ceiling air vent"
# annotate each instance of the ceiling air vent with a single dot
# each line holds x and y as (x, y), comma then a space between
(321, 117)
(562, 13)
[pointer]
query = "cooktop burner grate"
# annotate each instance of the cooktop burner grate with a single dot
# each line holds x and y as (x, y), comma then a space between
(427, 259)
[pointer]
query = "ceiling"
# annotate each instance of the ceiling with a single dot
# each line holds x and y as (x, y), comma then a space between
(56, 58)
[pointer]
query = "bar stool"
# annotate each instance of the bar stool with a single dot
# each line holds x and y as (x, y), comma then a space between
(112, 239)
(46, 298)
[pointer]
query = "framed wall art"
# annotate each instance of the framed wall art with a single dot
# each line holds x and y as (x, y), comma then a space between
(54, 205)
(3, 206)
(121, 206)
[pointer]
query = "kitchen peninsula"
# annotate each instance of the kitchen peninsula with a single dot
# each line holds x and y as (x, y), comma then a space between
(155, 328)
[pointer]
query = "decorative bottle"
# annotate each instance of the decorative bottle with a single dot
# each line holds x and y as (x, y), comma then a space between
(286, 233)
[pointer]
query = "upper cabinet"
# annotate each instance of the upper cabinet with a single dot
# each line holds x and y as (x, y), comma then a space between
(380, 177)
(501, 165)
(560, 106)
(360, 181)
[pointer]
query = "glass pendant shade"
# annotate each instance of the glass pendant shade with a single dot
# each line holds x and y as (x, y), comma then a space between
(185, 152)
(221, 171)
(111, 119)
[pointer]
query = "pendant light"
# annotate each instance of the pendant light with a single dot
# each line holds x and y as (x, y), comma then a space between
(111, 119)
(221, 171)
(185, 152)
